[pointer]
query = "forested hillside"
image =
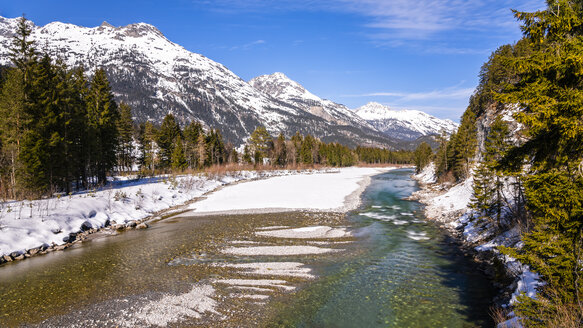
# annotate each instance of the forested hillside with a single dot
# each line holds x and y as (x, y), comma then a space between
(521, 141)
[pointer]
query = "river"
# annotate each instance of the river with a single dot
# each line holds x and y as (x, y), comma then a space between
(393, 270)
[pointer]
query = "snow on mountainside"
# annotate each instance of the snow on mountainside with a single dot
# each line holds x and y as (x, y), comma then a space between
(403, 124)
(156, 76)
(283, 88)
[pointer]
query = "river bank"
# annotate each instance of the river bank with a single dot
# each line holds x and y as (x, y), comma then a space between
(37, 227)
(449, 205)
(381, 265)
(213, 268)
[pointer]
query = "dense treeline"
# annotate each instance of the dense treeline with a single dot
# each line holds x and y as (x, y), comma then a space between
(60, 131)
(532, 177)
(549, 89)
(308, 150)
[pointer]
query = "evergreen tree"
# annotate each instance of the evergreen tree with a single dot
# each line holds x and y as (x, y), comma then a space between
(202, 151)
(191, 135)
(102, 116)
(489, 180)
(167, 134)
(125, 130)
(422, 156)
(247, 155)
(464, 145)
(308, 145)
(11, 126)
(23, 53)
(234, 158)
(148, 147)
(549, 91)
(260, 142)
(441, 160)
(178, 158)
(280, 151)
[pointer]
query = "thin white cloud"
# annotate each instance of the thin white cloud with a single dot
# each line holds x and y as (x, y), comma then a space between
(248, 45)
(404, 97)
(395, 23)
(423, 19)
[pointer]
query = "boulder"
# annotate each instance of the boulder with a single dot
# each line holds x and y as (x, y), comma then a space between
(86, 226)
(132, 224)
(142, 225)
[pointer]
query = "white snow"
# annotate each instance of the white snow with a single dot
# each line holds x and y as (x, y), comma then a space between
(320, 191)
(427, 175)
(306, 232)
(385, 119)
(175, 308)
(29, 224)
(278, 250)
(457, 198)
(277, 283)
(286, 269)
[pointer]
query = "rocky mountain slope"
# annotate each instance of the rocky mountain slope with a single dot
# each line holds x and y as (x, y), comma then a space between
(156, 76)
(283, 88)
(403, 124)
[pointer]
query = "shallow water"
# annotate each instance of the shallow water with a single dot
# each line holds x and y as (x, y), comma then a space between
(408, 275)
(398, 272)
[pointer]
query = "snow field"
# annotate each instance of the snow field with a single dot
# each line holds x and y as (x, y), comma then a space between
(321, 191)
(26, 225)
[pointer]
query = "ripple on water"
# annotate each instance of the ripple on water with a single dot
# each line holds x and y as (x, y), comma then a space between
(417, 235)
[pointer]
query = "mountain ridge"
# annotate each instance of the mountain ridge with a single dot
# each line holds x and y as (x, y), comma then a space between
(156, 76)
(404, 124)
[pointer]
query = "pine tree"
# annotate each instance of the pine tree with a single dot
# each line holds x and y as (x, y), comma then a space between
(148, 147)
(422, 155)
(308, 145)
(191, 134)
(202, 151)
(280, 151)
(260, 143)
(247, 155)
(102, 116)
(11, 125)
(549, 92)
(23, 53)
(125, 130)
(441, 162)
(167, 134)
(178, 158)
(464, 145)
(79, 128)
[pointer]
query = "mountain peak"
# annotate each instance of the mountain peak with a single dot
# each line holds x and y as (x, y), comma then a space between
(373, 110)
(403, 124)
(279, 85)
(106, 24)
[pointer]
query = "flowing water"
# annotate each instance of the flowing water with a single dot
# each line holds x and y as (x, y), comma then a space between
(395, 271)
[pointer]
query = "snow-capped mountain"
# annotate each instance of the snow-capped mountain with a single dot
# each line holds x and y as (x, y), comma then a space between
(156, 76)
(283, 88)
(404, 124)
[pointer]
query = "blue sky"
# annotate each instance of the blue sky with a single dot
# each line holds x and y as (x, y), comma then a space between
(422, 54)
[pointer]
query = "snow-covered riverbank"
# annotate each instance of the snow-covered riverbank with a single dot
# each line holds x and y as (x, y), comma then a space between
(450, 205)
(31, 227)
(321, 192)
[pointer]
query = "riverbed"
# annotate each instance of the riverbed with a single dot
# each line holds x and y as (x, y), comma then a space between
(381, 265)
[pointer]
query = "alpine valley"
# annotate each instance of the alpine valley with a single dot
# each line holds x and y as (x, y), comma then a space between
(156, 76)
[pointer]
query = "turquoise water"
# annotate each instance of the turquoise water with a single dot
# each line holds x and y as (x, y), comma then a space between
(409, 274)
(400, 271)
